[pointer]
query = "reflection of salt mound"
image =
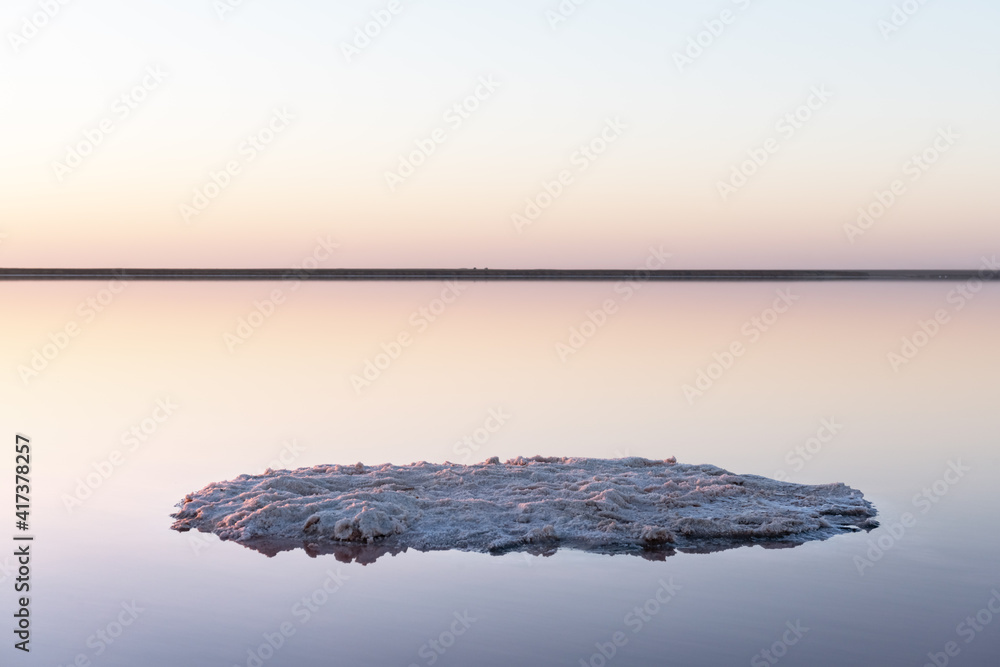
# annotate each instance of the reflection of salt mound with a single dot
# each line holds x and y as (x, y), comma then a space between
(610, 506)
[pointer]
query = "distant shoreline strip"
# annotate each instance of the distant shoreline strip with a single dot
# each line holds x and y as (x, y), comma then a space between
(666, 275)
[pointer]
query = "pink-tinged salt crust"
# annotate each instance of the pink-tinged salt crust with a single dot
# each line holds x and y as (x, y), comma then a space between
(629, 505)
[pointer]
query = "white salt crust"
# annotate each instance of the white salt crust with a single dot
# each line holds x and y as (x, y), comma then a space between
(629, 505)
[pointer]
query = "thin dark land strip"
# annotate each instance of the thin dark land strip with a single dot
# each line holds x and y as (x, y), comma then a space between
(679, 275)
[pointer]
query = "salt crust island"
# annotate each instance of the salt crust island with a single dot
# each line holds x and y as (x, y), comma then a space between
(611, 506)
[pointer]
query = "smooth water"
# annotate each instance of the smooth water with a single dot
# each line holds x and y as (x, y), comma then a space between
(812, 397)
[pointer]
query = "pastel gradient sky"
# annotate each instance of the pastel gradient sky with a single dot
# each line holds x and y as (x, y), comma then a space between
(682, 129)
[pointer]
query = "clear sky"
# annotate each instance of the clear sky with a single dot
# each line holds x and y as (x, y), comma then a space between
(228, 133)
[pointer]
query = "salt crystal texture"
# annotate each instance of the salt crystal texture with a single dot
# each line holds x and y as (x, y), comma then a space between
(629, 505)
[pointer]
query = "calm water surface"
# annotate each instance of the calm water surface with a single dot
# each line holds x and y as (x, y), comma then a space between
(284, 396)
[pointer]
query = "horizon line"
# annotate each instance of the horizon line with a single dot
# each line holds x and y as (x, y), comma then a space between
(760, 275)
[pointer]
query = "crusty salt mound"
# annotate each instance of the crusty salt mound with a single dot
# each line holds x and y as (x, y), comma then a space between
(630, 505)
